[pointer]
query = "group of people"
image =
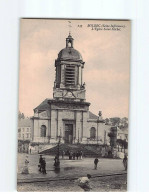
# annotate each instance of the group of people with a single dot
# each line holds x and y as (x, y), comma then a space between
(42, 165)
(73, 155)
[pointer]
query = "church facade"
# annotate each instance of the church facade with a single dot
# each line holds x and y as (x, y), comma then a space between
(67, 114)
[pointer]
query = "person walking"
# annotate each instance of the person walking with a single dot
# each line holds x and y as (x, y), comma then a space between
(63, 153)
(55, 160)
(43, 165)
(70, 155)
(74, 156)
(96, 163)
(78, 154)
(40, 163)
(84, 183)
(81, 155)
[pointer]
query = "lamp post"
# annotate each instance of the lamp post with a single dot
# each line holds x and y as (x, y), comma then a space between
(59, 141)
(104, 137)
(57, 160)
(97, 129)
(98, 121)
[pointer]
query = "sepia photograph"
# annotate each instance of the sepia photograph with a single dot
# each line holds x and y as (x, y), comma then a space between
(74, 84)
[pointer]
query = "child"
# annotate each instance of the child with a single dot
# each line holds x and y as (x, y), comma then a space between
(83, 182)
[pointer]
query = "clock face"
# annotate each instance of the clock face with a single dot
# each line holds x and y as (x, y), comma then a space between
(69, 94)
(36, 111)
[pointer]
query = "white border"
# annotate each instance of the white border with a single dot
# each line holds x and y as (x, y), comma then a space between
(137, 11)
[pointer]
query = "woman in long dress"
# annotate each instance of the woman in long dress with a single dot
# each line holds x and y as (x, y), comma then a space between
(25, 168)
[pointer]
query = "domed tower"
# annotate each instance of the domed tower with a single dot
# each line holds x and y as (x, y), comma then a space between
(69, 65)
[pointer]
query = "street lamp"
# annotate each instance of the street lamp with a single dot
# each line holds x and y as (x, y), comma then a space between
(78, 136)
(97, 129)
(98, 121)
(57, 160)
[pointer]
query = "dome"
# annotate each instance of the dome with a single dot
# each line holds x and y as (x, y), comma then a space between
(69, 53)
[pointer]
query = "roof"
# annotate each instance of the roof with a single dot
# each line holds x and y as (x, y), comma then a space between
(44, 105)
(24, 122)
(92, 116)
(70, 53)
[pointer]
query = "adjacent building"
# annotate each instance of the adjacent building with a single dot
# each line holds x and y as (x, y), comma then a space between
(122, 134)
(24, 129)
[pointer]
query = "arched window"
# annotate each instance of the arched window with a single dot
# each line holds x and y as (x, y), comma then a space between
(43, 131)
(93, 133)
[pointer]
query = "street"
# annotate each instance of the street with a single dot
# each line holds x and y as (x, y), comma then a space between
(102, 184)
(71, 170)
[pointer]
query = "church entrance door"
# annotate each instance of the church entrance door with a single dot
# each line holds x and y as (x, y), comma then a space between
(68, 133)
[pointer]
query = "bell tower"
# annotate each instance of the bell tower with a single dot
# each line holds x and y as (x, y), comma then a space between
(69, 66)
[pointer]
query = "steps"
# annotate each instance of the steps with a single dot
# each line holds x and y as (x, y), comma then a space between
(47, 147)
(88, 150)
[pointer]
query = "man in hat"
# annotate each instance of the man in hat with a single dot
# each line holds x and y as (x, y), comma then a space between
(40, 163)
(96, 163)
(43, 165)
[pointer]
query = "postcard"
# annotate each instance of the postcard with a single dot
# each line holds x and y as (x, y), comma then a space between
(73, 105)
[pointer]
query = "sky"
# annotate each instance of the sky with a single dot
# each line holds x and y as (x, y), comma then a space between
(106, 54)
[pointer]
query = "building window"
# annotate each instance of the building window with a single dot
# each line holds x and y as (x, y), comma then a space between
(23, 129)
(93, 133)
(43, 131)
(27, 129)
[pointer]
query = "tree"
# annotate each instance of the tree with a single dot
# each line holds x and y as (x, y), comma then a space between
(113, 136)
(107, 121)
(115, 121)
(125, 145)
(21, 115)
(122, 143)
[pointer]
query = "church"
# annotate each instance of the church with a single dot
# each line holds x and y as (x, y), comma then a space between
(67, 114)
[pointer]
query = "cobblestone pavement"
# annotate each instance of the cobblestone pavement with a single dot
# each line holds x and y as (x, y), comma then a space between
(102, 184)
(69, 168)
